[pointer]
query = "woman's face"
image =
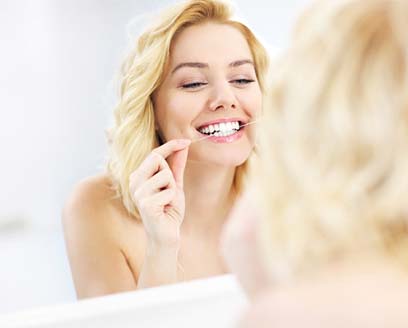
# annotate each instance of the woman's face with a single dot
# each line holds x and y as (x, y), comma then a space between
(210, 88)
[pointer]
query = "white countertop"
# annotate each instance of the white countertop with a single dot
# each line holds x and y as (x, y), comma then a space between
(212, 302)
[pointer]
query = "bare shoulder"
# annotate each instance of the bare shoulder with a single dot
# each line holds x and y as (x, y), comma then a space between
(94, 202)
(94, 192)
(96, 228)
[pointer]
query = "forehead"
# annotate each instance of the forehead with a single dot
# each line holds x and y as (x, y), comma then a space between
(209, 42)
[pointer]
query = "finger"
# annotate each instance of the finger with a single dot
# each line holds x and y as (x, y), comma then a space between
(161, 180)
(149, 167)
(170, 147)
(155, 162)
(160, 199)
(177, 165)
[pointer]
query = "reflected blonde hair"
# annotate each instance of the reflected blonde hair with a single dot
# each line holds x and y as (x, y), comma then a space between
(333, 178)
(133, 135)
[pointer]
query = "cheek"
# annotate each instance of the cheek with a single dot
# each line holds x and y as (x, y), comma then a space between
(252, 101)
(257, 102)
(253, 107)
(174, 115)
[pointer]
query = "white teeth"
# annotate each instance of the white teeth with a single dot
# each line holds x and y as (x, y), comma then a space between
(221, 129)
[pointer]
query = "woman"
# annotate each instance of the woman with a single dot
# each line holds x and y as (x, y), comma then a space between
(178, 154)
(331, 232)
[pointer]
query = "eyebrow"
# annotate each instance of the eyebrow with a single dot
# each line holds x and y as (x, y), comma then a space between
(241, 62)
(193, 64)
(204, 65)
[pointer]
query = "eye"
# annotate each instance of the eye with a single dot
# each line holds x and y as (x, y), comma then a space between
(242, 81)
(193, 85)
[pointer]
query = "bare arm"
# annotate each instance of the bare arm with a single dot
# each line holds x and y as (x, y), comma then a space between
(157, 190)
(95, 237)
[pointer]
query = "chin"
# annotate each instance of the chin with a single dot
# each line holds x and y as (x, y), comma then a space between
(220, 156)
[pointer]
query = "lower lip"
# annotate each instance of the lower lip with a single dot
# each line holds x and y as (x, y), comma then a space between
(227, 139)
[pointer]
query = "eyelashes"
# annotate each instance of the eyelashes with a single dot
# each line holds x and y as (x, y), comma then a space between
(243, 81)
(193, 85)
(197, 85)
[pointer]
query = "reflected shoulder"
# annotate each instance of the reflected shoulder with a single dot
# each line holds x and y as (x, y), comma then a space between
(95, 232)
(93, 198)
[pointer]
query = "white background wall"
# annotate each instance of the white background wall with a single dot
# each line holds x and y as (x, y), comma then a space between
(57, 63)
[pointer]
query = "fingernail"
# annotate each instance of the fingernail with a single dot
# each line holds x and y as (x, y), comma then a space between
(184, 142)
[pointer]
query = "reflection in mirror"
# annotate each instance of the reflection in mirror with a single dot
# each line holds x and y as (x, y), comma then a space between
(154, 217)
(59, 59)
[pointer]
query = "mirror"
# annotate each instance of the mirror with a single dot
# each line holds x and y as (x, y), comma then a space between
(57, 95)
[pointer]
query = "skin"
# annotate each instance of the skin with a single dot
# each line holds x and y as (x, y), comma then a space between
(360, 295)
(183, 191)
(239, 246)
(362, 291)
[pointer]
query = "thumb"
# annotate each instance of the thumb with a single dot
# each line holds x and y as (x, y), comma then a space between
(177, 165)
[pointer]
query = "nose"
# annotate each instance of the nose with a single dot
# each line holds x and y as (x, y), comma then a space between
(222, 97)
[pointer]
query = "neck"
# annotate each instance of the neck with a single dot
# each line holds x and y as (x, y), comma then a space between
(209, 195)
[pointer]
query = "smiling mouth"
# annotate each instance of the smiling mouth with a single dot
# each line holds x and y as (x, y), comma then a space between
(221, 129)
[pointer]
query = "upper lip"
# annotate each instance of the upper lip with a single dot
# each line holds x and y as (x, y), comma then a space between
(223, 120)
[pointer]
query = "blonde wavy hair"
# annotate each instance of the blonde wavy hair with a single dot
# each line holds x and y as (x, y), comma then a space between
(133, 135)
(333, 175)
